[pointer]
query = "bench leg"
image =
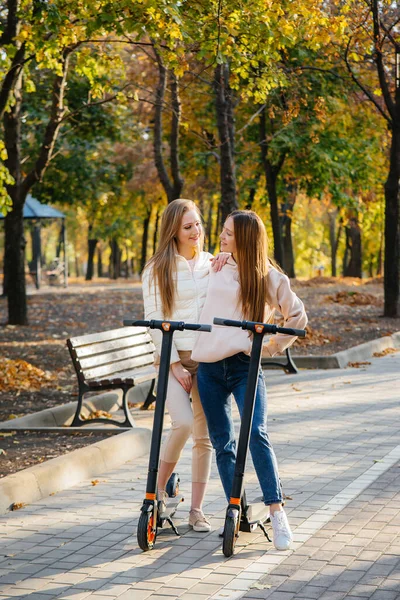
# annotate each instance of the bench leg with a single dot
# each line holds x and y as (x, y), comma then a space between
(290, 367)
(77, 421)
(129, 422)
(150, 397)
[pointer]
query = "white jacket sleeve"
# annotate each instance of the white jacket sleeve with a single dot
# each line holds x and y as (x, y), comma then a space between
(153, 310)
(283, 299)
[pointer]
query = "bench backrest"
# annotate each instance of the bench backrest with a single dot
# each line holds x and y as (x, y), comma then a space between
(106, 354)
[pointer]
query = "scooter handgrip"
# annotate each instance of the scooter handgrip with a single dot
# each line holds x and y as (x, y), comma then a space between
(227, 322)
(198, 327)
(289, 331)
(139, 323)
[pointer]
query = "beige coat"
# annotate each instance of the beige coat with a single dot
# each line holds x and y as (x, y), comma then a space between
(222, 301)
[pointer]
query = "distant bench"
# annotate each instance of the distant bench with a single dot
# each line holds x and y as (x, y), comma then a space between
(288, 366)
(117, 359)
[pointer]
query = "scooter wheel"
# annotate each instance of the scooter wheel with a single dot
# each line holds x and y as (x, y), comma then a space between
(146, 534)
(172, 487)
(230, 536)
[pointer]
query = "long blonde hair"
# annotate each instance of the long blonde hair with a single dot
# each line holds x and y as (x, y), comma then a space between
(253, 263)
(163, 262)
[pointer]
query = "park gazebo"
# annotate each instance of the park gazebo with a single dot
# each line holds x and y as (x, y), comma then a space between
(35, 211)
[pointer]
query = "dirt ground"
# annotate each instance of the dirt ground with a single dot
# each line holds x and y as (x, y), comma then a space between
(36, 370)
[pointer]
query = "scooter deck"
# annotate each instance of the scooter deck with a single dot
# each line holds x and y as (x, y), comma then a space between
(172, 506)
(257, 512)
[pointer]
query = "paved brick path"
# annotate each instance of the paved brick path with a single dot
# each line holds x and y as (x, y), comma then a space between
(337, 438)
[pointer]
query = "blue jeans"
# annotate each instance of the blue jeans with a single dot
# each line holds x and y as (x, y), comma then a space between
(217, 381)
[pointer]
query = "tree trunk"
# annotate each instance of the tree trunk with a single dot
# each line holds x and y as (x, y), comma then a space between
(392, 225)
(115, 260)
(126, 262)
(15, 257)
(352, 266)
(271, 176)
(288, 253)
(226, 131)
(36, 265)
(172, 188)
(174, 137)
(100, 272)
(14, 250)
(14, 225)
(287, 242)
(145, 238)
(77, 265)
(334, 239)
(156, 224)
(250, 199)
(92, 243)
(208, 232)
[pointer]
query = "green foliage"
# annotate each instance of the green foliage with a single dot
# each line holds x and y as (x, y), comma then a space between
(5, 179)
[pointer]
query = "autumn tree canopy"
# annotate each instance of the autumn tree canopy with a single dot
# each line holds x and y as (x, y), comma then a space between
(115, 109)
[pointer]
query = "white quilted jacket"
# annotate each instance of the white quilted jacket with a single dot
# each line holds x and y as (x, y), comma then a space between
(191, 290)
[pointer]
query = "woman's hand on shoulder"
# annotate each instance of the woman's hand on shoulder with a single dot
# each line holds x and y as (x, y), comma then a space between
(182, 375)
(217, 262)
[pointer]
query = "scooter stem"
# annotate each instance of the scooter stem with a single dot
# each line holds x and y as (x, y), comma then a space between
(247, 417)
(154, 459)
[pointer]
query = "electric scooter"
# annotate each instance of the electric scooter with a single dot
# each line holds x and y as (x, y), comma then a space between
(241, 516)
(150, 520)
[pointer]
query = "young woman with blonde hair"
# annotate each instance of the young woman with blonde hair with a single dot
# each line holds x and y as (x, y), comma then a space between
(248, 287)
(175, 282)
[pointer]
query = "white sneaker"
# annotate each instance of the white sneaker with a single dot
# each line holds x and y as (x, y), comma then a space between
(281, 528)
(221, 531)
(198, 521)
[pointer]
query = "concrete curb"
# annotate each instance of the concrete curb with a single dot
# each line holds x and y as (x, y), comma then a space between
(341, 359)
(61, 416)
(60, 473)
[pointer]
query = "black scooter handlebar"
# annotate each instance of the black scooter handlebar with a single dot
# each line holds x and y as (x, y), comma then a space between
(267, 327)
(174, 325)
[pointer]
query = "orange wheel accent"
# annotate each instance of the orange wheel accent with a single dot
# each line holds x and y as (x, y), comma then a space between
(151, 534)
(150, 496)
(235, 501)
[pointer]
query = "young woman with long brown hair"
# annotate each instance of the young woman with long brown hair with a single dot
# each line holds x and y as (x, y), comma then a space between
(175, 282)
(248, 287)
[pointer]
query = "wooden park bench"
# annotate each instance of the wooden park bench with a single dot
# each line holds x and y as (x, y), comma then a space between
(117, 359)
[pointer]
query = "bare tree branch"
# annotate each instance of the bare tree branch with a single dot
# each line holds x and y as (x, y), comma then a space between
(56, 116)
(157, 141)
(379, 61)
(362, 87)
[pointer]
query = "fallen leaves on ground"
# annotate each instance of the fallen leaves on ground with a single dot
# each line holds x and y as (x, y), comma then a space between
(260, 586)
(17, 505)
(385, 352)
(316, 337)
(97, 414)
(354, 298)
(357, 365)
(141, 405)
(19, 375)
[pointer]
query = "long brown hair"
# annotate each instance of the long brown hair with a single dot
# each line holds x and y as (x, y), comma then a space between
(253, 263)
(163, 262)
